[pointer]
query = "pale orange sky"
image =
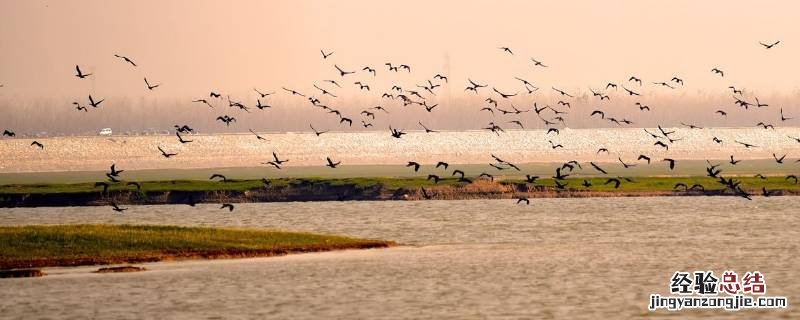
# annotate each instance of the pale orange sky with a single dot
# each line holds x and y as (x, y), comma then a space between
(193, 47)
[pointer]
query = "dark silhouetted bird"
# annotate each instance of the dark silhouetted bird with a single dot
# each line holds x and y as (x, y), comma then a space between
(149, 86)
(746, 145)
(116, 208)
(615, 181)
(180, 139)
(128, 60)
(396, 133)
(769, 46)
(93, 103)
(342, 72)
(671, 163)
(625, 165)
(165, 154)
(256, 134)
(81, 74)
(318, 133)
(331, 163)
(278, 161)
(226, 119)
(596, 167)
(138, 186)
(538, 63)
(102, 184)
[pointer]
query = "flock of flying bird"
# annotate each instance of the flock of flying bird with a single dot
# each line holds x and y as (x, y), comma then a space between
(417, 95)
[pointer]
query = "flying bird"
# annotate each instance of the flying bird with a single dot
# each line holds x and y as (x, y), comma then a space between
(79, 107)
(278, 161)
(149, 86)
(596, 167)
(263, 95)
(671, 163)
(718, 71)
(217, 175)
(746, 145)
(256, 134)
(783, 118)
(114, 171)
(331, 163)
(318, 133)
(204, 101)
(538, 63)
(116, 208)
(615, 181)
(325, 55)
(93, 103)
(180, 139)
(165, 154)
(138, 186)
(128, 60)
(426, 128)
(81, 74)
(625, 165)
(342, 72)
(396, 133)
(562, 92)
(769, 46)
(294, 93)
(226, 119)
(631, 92)
(504, 95)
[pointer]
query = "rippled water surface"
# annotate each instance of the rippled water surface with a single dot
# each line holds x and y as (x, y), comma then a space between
(585, 258)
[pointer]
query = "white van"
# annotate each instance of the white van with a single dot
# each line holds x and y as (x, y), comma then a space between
(105, 132)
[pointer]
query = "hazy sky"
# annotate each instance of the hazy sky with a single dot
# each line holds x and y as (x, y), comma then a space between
(194, 47)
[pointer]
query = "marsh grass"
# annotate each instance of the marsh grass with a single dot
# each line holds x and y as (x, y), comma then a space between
(390, 185)
(69, 245)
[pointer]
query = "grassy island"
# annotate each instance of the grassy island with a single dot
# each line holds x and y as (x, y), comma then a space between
(74, 245)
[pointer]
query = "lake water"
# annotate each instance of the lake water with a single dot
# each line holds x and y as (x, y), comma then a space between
(370, 148)
(588, 258)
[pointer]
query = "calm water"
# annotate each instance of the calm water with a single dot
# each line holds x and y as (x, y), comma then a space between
(557, 258)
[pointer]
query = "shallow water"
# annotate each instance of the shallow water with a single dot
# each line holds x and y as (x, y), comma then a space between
(370, 148)
(557, 258)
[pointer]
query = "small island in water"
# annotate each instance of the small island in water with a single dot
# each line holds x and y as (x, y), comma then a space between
(88, 244)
